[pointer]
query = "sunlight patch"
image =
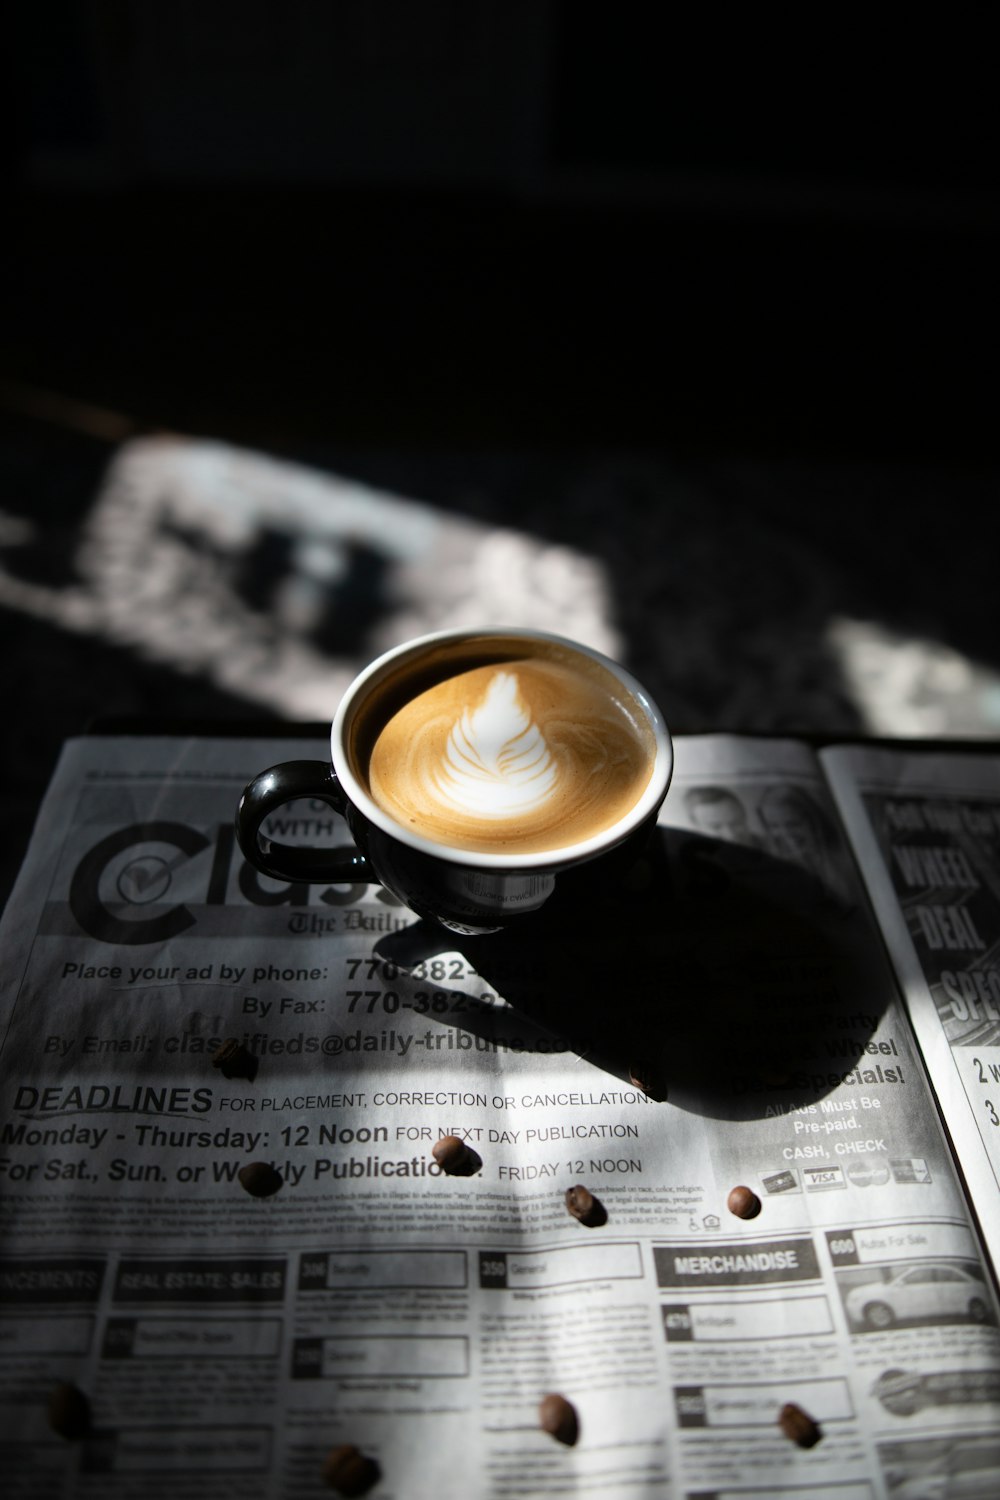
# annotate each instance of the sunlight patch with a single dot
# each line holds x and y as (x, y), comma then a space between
(904, 685)
(277, 582)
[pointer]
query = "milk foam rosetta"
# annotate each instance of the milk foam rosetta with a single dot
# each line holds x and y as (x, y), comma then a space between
(496, 761)
(521, 756)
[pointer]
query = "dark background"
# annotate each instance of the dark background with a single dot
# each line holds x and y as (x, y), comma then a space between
(448, 242)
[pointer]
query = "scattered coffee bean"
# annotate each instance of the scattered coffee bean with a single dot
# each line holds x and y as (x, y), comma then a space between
(798, 1426)
(260, 1179)
(69, 1411)
(348, 1471)
(455, 1157)
(743, 1202)
(558, 1416)
(647, 1078)
(235, 1061)
(581, 1204)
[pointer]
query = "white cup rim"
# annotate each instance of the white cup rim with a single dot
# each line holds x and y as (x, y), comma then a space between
(551, 859)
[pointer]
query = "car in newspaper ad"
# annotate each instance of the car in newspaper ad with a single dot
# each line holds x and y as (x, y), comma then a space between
(924, 1293)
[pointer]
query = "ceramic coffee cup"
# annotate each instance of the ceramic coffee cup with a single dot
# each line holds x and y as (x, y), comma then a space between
(476, 769)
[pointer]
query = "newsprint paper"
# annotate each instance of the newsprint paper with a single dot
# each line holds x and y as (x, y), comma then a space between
(927, 831)
(228, 1248)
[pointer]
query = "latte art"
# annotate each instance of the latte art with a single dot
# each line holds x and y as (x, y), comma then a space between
(517, 756)
(496, 761)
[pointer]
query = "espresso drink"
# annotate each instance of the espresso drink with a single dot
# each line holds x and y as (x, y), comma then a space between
(514, 754)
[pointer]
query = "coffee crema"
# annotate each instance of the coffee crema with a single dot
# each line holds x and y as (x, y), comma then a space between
(515, 756)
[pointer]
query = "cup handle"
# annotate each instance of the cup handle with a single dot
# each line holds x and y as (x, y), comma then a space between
(282, 783)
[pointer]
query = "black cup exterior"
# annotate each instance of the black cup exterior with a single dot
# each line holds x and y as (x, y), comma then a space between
(472, 901)
(442, 885)
(463, 897)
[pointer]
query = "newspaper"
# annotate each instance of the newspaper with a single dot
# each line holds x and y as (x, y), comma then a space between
(927, 828)
(722, 1014)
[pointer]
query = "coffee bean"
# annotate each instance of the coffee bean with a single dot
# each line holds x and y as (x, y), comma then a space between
(348, 1471)
(646, 1077)
(69, 1411)
(798, 1426)
(558, 1416)
(260, 1179)
(743, 1202)
(775, 1070)
(579, 1201)
(581, 1204)
(456, 1158)
(234, 1060)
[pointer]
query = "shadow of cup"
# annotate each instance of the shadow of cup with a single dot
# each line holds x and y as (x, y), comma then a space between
(709, 974)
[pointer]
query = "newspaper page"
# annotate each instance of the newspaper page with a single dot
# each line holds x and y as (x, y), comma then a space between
(927, 829)
(701, 1181)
